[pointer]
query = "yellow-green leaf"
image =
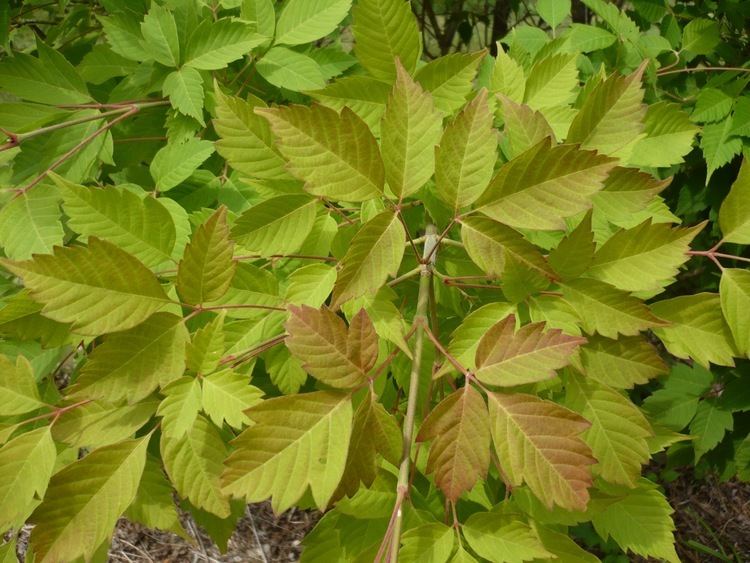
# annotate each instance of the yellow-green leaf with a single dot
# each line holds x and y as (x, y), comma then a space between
(335, 154)
(99, 288)
(102, 483)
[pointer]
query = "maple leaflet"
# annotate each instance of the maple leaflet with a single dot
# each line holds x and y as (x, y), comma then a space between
(412, 295)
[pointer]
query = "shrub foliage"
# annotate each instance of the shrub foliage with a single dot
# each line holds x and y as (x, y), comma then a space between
(243, 260)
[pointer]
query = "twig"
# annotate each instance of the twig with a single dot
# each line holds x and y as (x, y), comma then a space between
(249, 513)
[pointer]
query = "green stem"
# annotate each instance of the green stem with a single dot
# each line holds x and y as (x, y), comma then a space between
(420, 318)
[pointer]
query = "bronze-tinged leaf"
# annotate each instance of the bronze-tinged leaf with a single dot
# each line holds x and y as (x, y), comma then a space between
(460, 451)
(539, 443)
(374, 431)
(336, 355)
(507, 357)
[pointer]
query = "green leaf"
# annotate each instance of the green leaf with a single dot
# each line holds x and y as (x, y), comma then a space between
(141, 226)
(551, 82)
(130, 365)
(285, 371)
(431, 543)
(621, 363)
(564, 547)
(101, 63)
(489, 243)
(206, 269)
(606, 310)
(175, 162)
(674, 405)
(49, 79)
(289, 69)
(507, 77)
(246, 141)
(337, 355)
(262, 14)
(506, 357)
(719, 146)
(104, 482)
(30, 223)
(466, 155)
(386, 318)
(184, 88)
(215, 44)
(626, 193)
(18, 389)
(335, 154)
(206, 346)
(553, 11)
(449, 79)
(709, 426)
(734, 291)
(503, 539)
(310, 285)
(98, 288)
(573, 255)
(643, 258)
(734, 214)
(194, 463)
(364, 95)
(538, 443)
(545, 184)
(465, 339)
(639, 521)
(154, 505)
(160, 35)
(226, 395)
(374, 432)
(584, 38)
(374, 253)
(307, 449)
(611, 118)
(26, 465)
(124, 35)
(21, 318)
(383, 31)
(459, 430)
(410, 130)
(305, 21)
(276, 226)
(524, 127)
(179, 409)
(96, 424)
(700, 36)
(697, 329)
(711, 105)
(618, 431)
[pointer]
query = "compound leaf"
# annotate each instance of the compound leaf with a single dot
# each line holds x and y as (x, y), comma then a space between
(460, 433)
(129, 365)
(383, 31)
(141, 226)
(410, 129)
(194, 463)
(104, 482)
(539, 443)
(206, 269)
(99, 288)
(337, 355)
(335, 154)
(374, 253)
(507, 357)
(545, 184)
(298, 441)
(466, 155)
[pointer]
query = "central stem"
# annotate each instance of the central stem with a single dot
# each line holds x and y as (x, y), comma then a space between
(420, 320)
